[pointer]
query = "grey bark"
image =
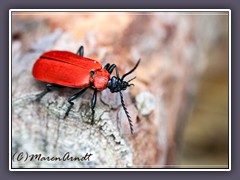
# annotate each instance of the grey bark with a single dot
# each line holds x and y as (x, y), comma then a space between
(159, 103)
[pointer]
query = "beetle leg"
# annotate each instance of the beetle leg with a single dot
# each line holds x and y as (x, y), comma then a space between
(80, 51)
(111, 68)
(106, 66)
(70, 99)
(46, 90)
(93, 104)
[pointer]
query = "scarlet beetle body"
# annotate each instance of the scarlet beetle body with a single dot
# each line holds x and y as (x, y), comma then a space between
(71, 70)
(63, 68)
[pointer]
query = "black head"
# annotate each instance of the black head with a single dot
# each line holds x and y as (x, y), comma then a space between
(117, 84)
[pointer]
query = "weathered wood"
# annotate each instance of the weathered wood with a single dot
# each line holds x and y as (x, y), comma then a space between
(159, 103)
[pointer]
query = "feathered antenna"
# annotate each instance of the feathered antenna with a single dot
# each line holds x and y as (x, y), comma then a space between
(127, 113)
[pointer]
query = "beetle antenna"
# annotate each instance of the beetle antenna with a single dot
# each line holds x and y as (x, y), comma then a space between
(131, 70)
(130, 85)
(132, 79)
(127, 113)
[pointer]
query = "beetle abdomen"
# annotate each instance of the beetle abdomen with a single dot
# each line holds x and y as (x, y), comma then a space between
(57, 72)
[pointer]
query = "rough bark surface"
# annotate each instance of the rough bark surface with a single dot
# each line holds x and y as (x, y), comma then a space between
(172, 54)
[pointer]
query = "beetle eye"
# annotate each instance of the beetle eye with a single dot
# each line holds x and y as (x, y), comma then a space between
(109, 83)
(125, 84)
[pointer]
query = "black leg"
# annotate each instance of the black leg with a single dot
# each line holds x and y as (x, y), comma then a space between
(46, 90)
(80, 51)
(70, 99)
(106, 66)
(111, 68)
(93, 104)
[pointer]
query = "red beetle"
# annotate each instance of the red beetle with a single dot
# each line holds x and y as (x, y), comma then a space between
(63, 68)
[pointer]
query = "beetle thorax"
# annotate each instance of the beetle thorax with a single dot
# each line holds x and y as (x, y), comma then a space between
(100, 79)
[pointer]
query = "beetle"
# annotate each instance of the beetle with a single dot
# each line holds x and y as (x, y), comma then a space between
(67, 69)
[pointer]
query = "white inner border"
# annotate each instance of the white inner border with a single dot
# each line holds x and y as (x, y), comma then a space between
(187, 12)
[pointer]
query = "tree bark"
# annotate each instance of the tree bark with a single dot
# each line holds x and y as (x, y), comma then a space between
(172, 58)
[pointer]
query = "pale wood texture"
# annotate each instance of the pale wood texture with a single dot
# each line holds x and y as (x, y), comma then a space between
(171, 48)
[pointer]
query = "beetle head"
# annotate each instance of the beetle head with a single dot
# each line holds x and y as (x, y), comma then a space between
(116, 84)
